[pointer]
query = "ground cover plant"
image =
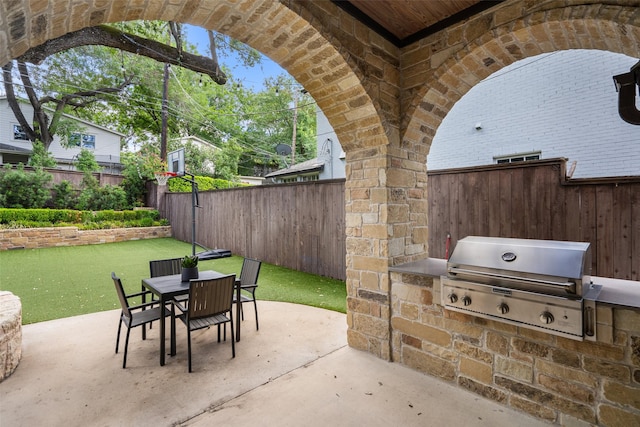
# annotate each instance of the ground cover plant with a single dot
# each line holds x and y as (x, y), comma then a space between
(67, 281)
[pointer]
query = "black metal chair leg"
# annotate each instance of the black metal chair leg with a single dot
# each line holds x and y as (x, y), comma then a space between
(118, 337)
(189, 345)
(126, 347)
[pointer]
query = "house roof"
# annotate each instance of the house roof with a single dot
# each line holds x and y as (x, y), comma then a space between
(312, 165)
(6, 148)
(197, 140)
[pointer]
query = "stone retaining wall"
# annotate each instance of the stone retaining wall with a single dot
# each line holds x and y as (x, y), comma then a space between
(10, 333)
(33, 238)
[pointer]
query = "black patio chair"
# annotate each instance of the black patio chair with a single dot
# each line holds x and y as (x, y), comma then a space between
(162, 267)
(165, 267)
(210, 302)
(248, 285)
(137, 315)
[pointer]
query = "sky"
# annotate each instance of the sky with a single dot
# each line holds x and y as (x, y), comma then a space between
(251, 77)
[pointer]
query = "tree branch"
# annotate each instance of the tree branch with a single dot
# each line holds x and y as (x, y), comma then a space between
(104, 35)
(40, 119)
(13, 102)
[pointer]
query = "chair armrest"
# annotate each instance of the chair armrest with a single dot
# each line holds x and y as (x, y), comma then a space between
(178, 304)
(247, 287)
(145, 305)
(137, 294)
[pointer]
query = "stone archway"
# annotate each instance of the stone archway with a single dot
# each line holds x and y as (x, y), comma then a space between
(436, 73)
(354, 82)
(611, 29)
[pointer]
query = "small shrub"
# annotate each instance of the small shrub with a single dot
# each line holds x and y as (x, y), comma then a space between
(107, 197)
(20, 189)
(64, 195)
(146, 222)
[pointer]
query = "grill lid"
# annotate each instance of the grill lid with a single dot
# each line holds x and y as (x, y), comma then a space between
(568, 260)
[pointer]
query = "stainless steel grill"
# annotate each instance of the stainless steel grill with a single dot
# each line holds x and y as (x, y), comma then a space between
(538, 284)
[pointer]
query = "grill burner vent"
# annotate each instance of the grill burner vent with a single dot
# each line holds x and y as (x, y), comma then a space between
(538, 284)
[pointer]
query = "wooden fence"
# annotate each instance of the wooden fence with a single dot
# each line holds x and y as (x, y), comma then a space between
(535, 200)
(300, 226)
(75, 177)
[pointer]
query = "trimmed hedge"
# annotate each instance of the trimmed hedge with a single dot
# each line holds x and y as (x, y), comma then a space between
(32, 218)
(204, 183)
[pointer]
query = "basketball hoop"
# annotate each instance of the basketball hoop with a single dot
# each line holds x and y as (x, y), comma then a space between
(163, 177)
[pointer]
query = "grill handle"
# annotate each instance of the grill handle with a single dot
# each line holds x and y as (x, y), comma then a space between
(569, 287)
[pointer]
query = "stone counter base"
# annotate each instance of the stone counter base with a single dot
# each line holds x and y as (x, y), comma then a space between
(553, 378)
(33, 238)
(10, 333)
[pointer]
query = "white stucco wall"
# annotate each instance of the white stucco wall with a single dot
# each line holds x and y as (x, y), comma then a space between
(563, 104)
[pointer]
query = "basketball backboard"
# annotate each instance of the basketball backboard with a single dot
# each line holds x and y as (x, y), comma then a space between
(175, 161)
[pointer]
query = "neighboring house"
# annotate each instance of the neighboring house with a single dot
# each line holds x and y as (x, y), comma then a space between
(16, 148)
(203, 145)
(560, 104)
(329, 164)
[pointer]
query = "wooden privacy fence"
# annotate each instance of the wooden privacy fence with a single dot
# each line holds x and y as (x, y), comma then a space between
(299, 226)
(302, 226)
(535, 200)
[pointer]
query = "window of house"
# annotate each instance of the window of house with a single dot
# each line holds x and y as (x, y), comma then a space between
(520, 157)
(19, 133)
(301, 178)
(82, 140)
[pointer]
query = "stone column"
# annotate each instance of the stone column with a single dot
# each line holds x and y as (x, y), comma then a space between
(386, 224)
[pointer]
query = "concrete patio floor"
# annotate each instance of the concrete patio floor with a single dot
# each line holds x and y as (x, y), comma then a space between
(296, 370)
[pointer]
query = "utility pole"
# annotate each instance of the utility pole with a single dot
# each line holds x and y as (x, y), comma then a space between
(165, 114)
(296, 94)
(295, 127)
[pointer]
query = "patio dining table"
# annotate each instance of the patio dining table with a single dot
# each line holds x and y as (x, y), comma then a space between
(168, 287)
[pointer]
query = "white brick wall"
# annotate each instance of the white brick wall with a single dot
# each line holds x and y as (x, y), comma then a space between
(563, 104)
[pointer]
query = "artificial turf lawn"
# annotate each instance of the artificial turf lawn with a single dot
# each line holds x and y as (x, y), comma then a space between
(67, 281)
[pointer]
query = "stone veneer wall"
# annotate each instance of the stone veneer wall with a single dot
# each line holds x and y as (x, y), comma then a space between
(10, 333)
(557, 379)
(32, 238)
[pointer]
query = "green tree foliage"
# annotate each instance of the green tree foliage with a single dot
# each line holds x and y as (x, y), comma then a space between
(245, 125)
(226, 160)
(87, 162)
(139, 168)
(20, 189)
(40, 157)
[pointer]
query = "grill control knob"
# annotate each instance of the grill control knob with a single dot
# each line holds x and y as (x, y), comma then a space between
(546, 317)
(453, 298)
(466, 300)
(502, 308)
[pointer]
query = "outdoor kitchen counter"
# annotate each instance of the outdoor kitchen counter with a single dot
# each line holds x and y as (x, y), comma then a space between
(431, 267)
(618, 292)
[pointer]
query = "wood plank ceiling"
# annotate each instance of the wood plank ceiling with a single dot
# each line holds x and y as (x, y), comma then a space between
(406, 21)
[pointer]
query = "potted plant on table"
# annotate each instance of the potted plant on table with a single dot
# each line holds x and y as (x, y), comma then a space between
(189, 267)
